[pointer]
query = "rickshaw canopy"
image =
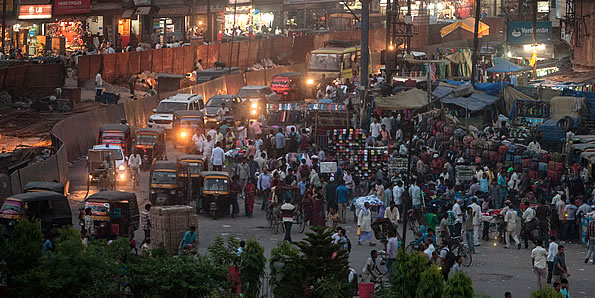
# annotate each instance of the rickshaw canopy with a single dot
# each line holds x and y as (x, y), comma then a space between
(37, 186)
(114, 128)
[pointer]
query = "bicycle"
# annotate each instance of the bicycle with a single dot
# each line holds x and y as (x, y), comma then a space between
(300, 221)
(460, 250)
(134, 172)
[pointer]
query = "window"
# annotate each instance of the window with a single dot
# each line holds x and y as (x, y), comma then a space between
(325, 62)
(347, 61)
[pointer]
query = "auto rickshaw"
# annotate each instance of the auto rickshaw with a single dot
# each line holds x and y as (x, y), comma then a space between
(577, 149)
(113, 213)
(37, 186)
(116, 134)
(185, 124)
(166, 186)
(196, 165)
(150, 144)
(216, 192)
(291, 86)
(50, 208)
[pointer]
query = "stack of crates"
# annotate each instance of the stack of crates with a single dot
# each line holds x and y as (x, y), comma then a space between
(169, 223)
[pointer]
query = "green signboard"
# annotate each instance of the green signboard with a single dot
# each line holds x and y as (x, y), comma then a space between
(520, 33)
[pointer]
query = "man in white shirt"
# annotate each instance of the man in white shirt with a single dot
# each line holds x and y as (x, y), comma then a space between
(534, 145)
(218, 157)
(375, 130)
(476, 220)
(429, 251)
(551, 254)
(539, 259)
(221, 112)
(528, 216)
(392, 213)
(134, 162)
(398, 191)
(370, 269)
(287, 213)
(98, 84)
(513, 183)
(459, 216)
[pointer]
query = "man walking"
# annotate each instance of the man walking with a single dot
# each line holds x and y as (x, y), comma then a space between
(510, 218)
(280, 143)
(392, 246)
(539, 259)
(342, 194)
(287, 213)
(458, 217)
(476, 220)
(591, 238)
(560, 270)
(264, 186)
(542, 214)
(398, 191)
(415, 194)
(551, 254)
(145, 220)
(218, 157)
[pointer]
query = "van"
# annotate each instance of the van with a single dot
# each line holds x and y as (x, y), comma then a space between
(163, 116)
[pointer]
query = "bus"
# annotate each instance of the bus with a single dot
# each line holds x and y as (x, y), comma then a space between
(337, 60)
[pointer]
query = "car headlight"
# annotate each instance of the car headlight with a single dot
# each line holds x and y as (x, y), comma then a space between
(253, 112)
(254, 105)
(172, 192)
(90, 177)
(121, 168)
(153, 191)
(310, 81)
(183, 134)
(122, 176)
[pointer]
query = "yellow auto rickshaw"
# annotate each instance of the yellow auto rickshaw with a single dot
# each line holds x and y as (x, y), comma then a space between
(150, 144)
(113, 213)
(166, 186)
(216, 193)
(50, 208)
(186, 124)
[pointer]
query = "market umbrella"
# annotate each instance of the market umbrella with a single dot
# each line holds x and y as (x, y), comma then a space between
(467, 24)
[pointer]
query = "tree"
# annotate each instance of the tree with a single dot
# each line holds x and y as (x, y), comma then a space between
(459, 286)
(225, 255)
(252, 268)
(546, 292)
(21, 252)
(431, 284)
(311, 270)
(405, 279)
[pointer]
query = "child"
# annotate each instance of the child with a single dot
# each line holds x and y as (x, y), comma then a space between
(332, 219)
(249, 190)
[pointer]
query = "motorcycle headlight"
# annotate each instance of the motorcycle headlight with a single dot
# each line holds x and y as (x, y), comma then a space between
(254, 105)
(310, 82)
(90, 177)
(121, 168)
(172, 192)
(122, 176)
(183, 134)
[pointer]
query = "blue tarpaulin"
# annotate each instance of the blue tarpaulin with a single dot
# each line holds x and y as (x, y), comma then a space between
(475, 102)
(488, 88)
(570, 92)
(505, 66)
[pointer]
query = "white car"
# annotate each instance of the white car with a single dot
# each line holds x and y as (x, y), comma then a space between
(117, 155)
(164, 114)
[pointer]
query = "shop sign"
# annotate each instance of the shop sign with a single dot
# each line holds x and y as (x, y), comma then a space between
(328, 167)
(35, 12)
(543, 6)
(238, 9)
(67, 7)
(203, 8)
(174, 12)
(32, 2)
(232, 2)
(9, 5)
(520, 33)
(293, 2)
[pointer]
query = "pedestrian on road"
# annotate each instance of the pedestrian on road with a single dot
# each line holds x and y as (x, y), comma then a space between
(564, 288)
(370, 269)
(89, 225)
(392, 246)
(542, 213)
(591, 238)
(280, 143)
(145, 221)
(236, 188)
(476, 220)
(469, 230)
(529, 217)
(458, 217)
(364, 224)
(243, 172)
(218, 157)
(264, 187)
(510, 219)
(250, 191)
(539, 261)
(331, 195)
(560, 270)
(287, 213)
(552, 252)
(342, 195)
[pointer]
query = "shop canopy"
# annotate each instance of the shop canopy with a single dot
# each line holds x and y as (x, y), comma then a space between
(476, 102)
(504, 65)
(406, 100)
(467, 24)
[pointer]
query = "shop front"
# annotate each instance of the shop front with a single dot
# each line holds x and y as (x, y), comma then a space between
(308, 14)
(521, 47)
(199, 24)
(70, 25)
(31, 22)
(238, 15)
(170, 23)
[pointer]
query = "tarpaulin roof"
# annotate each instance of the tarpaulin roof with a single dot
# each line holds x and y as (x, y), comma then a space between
(476, 102)
(488, 88)
(505, 66)
(467, 24)
(406, 100)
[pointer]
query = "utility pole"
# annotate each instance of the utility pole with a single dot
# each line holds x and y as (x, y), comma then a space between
(209, 22)
(365, 60)
(233, 33)
(388, 24)
(4, 3)
(409, 21)
(475, 43)
(534, 13)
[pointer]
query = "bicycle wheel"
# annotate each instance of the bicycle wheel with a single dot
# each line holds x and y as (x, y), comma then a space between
(301, 222)
(269, 218)
(410, 248)
(464, 252)
(275, 226)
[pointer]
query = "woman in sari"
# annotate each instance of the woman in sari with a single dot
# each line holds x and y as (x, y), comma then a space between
(250, 191)
(307, 204)
(317, 208)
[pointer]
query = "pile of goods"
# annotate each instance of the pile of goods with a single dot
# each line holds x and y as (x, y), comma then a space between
(169, 223)
(351, 144)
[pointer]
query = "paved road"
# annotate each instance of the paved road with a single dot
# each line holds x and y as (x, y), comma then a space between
(494, 270)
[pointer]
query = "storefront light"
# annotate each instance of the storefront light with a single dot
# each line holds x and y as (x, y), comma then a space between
(440, 6)
(529, 47)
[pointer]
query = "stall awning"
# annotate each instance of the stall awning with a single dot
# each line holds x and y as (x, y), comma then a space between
(476, 102)
(127, 14)
(406, 100)
(505, 66)
(467, 24)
